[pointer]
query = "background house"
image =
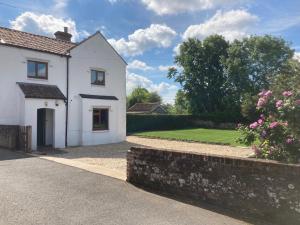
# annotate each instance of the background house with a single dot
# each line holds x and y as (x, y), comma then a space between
(147, 108)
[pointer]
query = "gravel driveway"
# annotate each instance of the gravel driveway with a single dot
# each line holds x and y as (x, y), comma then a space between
(110, 159)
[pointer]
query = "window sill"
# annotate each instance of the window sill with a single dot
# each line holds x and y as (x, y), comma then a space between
(100, 131)
(98, 85)
(37, 79)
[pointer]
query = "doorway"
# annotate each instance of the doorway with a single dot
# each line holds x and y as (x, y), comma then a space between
(45, 127)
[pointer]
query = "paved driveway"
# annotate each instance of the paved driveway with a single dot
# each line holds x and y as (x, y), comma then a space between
(110, 159)
(36, 191)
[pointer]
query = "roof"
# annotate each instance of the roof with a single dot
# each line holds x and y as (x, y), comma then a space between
(41, 91)
(144, 107)
(35, 42)
(103, 97)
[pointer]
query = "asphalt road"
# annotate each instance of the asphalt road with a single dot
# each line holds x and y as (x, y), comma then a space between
(37, 191)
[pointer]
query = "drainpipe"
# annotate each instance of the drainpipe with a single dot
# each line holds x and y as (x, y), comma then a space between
(67, 103)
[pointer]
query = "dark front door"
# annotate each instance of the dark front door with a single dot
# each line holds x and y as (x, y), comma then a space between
(41, 127)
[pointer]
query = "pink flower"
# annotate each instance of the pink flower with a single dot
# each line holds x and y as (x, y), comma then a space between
(297, 102)
(268, 94)
(254, 125)
(262, 93)
(260, 121)
(289, 141)
(261, 102)
(274, 124)
(287, 93)
(285, 124)
(279, 104)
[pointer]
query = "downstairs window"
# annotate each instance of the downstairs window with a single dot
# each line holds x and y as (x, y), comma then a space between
(100, 119)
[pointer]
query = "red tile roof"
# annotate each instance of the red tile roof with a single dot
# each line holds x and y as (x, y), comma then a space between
(144, 107)
(26, 40)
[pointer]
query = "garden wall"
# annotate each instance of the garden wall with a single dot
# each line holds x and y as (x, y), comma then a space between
(15, 137)
(140, 122)
(266, 190)
(9, 136)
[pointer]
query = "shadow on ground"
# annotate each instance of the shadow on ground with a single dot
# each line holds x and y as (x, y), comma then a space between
(6, 154)
(210, 207)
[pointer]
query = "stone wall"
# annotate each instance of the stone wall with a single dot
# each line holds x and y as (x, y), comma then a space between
(258, 188)
(9, 136)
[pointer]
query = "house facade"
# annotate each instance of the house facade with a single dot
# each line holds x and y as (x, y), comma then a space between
(71, 94)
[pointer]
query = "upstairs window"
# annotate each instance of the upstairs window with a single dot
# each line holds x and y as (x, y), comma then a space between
(100, 119)
(38, 70)
(98, 77)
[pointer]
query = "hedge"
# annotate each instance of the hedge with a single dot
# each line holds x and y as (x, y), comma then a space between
(138, 122)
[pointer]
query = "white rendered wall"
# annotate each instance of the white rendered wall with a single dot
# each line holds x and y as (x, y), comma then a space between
(113, 134)
(31, 107)
(13, 68)
(96, 53)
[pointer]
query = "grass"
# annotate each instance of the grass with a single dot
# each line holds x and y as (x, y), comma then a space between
(212, 136)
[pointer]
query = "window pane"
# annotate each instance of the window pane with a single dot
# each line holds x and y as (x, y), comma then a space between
(100, 119)
(94, 77)
(104, 118)
(42, 70)
(30, 69)
(101, 77)
(97, 77)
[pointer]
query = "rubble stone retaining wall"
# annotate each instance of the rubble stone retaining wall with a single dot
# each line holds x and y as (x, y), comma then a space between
(259, 188)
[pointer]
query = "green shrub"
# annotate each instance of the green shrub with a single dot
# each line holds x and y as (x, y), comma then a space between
(138, 122)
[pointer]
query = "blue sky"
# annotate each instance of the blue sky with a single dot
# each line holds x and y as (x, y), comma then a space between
(147, 32)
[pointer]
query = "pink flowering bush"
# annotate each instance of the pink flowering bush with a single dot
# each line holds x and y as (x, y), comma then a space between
(276, 133)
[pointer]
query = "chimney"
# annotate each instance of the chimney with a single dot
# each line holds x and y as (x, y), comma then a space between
(63, 36)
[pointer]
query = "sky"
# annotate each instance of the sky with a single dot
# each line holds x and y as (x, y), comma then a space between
(147, 33)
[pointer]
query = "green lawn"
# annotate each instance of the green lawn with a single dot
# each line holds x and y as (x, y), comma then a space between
(214, 136)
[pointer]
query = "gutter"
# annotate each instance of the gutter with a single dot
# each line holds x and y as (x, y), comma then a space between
(67, 103)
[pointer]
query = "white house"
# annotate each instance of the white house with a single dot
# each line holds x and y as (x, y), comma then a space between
(71, 94)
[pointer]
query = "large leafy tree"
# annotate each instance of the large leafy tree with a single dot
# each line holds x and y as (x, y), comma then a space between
(202, 76)
(218, 76)
(154, 97)
(181, 105)
(142, 95)
(253, 62)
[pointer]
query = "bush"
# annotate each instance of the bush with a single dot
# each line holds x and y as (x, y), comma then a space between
(138, 122)
(278, 128)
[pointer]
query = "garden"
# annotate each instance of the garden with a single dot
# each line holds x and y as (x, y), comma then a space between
(245, 92)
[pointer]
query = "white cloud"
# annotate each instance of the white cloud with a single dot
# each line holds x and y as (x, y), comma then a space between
(167, 7)
(166, 90)
(46, 25)
(138, 65)
(60, 4)
(234, 24)
(297, 56)
(155, 36)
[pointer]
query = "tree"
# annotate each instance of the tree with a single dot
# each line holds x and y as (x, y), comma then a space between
(142, 95)
(218, 76)
(154, 97)
(138, 95)
(252, 64)
(202, 77)
(181, 103)
(287, 79)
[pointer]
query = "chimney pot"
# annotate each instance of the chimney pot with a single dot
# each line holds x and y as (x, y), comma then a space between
(66, 29)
